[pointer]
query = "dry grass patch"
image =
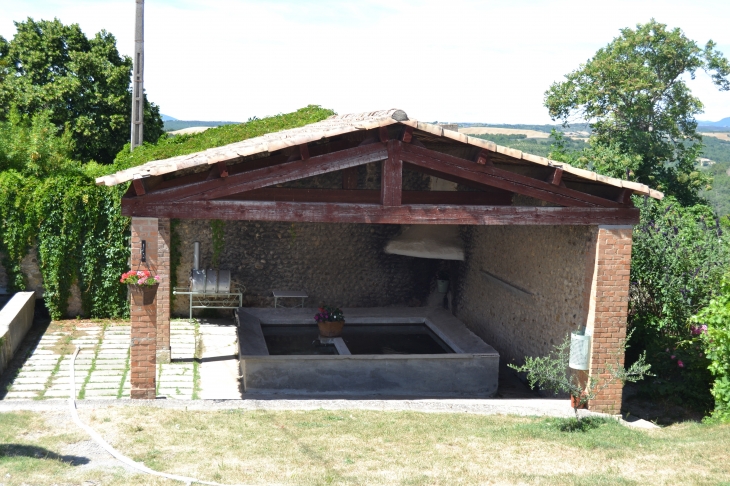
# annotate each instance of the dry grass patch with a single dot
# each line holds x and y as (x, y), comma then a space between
(410, 448)
(362, 447)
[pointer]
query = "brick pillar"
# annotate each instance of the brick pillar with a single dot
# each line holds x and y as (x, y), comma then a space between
(163, 293)
(143, 315)
(608, 309)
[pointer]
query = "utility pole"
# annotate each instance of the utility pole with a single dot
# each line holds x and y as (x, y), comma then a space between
(138, 78)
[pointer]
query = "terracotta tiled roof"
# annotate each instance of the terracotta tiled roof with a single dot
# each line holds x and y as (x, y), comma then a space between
(339, 125)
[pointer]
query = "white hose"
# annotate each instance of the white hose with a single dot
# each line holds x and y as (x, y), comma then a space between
(99, 440)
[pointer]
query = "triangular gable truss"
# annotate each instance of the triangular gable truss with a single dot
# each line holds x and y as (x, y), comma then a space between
(248, 191)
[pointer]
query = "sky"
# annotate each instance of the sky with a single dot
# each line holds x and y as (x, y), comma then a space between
(448, 61)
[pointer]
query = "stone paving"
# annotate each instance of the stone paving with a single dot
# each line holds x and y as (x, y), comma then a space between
(102, 366)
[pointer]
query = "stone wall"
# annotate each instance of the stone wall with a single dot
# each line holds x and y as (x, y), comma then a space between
(523, 288)
(340, 264)
(34, 281)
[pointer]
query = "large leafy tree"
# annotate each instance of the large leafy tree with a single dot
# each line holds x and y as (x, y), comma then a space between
(634, 94)
(83, 84)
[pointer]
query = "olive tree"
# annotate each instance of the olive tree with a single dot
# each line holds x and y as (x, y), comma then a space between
(634, 95)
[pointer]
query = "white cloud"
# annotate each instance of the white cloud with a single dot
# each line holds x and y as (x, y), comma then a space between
(450, 61)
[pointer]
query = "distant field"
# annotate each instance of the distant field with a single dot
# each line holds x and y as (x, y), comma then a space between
(722, 136)
(503, 131)
(173, 125)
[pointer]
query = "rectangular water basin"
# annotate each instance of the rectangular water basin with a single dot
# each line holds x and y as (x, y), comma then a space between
(390, 338)
(383, 351)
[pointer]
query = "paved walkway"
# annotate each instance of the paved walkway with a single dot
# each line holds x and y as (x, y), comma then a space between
(102, 366)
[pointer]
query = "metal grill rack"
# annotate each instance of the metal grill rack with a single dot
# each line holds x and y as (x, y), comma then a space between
(212, 289)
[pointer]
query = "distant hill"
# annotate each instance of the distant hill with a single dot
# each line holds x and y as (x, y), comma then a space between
(172, 124)
(167, 117)
(716, 149)
(724, 123)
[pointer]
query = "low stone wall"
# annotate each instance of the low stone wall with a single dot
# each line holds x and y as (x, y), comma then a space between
(340, 264)
(524, 288)
(16, 318)
(34, 282)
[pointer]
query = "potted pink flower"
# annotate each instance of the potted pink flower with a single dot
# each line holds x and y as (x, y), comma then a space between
(142, 285)
(330, 321)
(139, 277)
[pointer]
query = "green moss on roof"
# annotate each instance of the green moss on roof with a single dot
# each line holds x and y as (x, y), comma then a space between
(168, 147)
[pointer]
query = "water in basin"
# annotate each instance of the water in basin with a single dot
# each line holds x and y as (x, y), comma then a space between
(359, 339)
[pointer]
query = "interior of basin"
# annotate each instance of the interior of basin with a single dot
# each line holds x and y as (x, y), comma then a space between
(386, 338)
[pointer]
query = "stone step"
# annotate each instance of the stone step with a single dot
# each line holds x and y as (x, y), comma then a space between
(20, 395)
(23, 387)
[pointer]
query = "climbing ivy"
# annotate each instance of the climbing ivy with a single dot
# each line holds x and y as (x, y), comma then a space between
(80, 234)
(216, 228)
(49, 201)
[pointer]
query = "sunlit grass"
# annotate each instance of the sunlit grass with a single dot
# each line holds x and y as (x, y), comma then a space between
(361, 447)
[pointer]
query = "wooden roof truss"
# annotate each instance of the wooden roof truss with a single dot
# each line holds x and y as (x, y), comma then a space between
(245, 188)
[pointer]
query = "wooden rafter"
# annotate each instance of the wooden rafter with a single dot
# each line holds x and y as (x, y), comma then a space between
(391, 178)
(271, 175)
(349, 178)
(500, 178)
(372, 196)
(625, 196)
(556, 178)
(247, 188)
(139, 188)
(379, 214)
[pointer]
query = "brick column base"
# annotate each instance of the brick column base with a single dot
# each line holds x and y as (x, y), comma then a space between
(608, 311)
(163, 293)
(144, 342)
(143, 311)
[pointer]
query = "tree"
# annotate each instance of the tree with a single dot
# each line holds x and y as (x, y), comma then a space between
(634, 94)
(84, 85)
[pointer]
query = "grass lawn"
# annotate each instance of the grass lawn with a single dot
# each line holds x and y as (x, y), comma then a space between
(358, 447)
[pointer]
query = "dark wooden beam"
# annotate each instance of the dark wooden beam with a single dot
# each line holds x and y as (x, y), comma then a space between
(391, 178)
(304, 151)
(407, 134)
(250, 165)
(378, 214)
(383, 134)
(501, 178)
(625, 196)
(484, 158)
(367, 196)
(219, 171)
(556, 177)
(349, 178)
(139, 187)
(452, 178)
(271, 175)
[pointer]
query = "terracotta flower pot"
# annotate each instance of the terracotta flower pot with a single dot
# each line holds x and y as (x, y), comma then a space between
(330, 328)
(575, 401)
(143, 294)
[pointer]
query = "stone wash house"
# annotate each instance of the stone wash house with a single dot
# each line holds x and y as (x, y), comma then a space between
(547, 246)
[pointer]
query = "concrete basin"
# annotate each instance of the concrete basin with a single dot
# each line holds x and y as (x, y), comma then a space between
(471, 370)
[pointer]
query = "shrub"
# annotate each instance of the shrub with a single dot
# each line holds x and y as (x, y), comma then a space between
(713, 327)
(679, 257)
(552, 373)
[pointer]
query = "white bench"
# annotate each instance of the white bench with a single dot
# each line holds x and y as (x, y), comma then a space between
(289, 294)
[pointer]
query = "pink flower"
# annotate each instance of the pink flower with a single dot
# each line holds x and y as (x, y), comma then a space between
(157, 278)
(140, 273)
(680, 364)
(673, 356)
(141, 281)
